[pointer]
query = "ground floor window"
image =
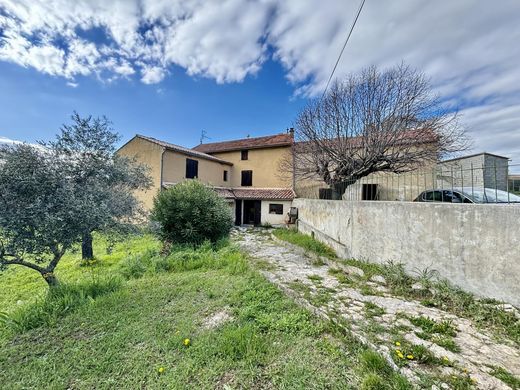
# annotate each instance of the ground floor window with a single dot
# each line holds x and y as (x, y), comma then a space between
(275, 208)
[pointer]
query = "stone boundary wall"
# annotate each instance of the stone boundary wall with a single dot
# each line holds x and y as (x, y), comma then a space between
(476, 247)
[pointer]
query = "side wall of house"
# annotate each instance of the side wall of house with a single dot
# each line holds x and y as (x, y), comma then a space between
(210, 172)
(149, 154)
(274, 219)
(265, 164)
(473, 246)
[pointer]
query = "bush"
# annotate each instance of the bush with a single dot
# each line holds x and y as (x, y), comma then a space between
(191, 213)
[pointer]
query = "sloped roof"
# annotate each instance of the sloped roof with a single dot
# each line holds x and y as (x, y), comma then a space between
(256, 193)
(270, 141)
(183, 150)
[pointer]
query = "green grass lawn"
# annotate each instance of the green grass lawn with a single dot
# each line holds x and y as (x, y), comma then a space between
(132, 333)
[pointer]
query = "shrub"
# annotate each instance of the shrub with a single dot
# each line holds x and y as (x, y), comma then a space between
(191, 213)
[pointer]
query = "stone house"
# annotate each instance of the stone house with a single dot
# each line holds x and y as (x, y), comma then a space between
(245, 172)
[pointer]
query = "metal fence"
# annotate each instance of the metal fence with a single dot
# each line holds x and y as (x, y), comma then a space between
(495, 183)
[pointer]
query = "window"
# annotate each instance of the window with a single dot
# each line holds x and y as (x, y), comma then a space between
(275, 208)
(433, 196)
(244, 155)
(225, 176)
(369, 192)
(192, 168)
(325, 193)
(247, 178)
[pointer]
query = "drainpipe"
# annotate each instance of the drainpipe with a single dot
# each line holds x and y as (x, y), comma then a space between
(291, 132)
(162, 160)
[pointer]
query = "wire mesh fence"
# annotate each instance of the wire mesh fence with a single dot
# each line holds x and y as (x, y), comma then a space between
(494, 183)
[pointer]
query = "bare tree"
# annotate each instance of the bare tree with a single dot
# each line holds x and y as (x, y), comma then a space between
(374, 121)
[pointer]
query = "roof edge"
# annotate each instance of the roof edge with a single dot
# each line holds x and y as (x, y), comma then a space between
(181, 149)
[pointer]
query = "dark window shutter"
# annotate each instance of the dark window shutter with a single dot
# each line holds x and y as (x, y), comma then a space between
(245, 155)
(247, 178)
(192, 168)
(225, 175)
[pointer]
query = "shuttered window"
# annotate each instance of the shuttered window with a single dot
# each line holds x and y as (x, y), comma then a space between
(225, 176)
(192, 168)
(247, 178)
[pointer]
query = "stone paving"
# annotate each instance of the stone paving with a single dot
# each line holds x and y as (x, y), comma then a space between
(300, 275)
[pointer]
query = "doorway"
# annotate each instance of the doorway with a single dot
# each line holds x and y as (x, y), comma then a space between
(252, 212)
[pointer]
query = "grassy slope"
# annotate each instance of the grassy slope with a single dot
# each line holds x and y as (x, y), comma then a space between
(23, 285)
(121, 339)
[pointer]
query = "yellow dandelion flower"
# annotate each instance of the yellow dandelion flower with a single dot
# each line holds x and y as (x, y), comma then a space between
(187, 342)
(397, 343)
(445, 358)
(160, 370)
(410, 356)
(400, 355)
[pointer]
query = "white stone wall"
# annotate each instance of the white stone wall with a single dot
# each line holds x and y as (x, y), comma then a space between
(474, 246)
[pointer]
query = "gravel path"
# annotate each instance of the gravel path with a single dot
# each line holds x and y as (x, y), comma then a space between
(380, 319)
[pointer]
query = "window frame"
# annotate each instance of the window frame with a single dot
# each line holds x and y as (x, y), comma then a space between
(194, 166)
(250, 181)
(244, 154)
(225, 175)
(275, 211)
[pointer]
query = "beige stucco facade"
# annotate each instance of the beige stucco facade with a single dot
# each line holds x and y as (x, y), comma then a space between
(265, 164)
(167, 167)
(210, 172)
(149, 154)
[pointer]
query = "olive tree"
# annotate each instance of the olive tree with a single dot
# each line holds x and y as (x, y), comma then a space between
(104, 180)
(55, 195)
(38, 211)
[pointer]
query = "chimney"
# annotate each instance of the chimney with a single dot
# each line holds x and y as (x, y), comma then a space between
(291, 131)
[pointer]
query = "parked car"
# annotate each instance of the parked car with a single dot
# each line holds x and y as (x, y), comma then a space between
(468, 195)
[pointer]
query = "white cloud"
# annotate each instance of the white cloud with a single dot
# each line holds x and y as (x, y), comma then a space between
(468, 48)
(152, 74)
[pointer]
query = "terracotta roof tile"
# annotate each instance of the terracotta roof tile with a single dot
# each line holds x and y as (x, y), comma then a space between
(269, 141)
(250, 193)
(256, 193)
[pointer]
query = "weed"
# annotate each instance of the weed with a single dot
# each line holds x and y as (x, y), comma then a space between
(134, 267)
(372, 310)
(506, 377)
(305, 241)
(59, 301)
(377, 374)
(315, 278)
(428, 325)
(317, 261)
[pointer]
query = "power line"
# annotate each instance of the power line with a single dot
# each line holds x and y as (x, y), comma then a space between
(344, 45)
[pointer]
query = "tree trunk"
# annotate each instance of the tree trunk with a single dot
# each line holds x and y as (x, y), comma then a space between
(50, 278)
(87, 252)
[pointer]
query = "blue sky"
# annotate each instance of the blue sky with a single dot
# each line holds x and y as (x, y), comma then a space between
(172, 68)
(34, 105)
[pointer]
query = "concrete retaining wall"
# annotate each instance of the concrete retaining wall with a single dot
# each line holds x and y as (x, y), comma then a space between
(476, 247)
